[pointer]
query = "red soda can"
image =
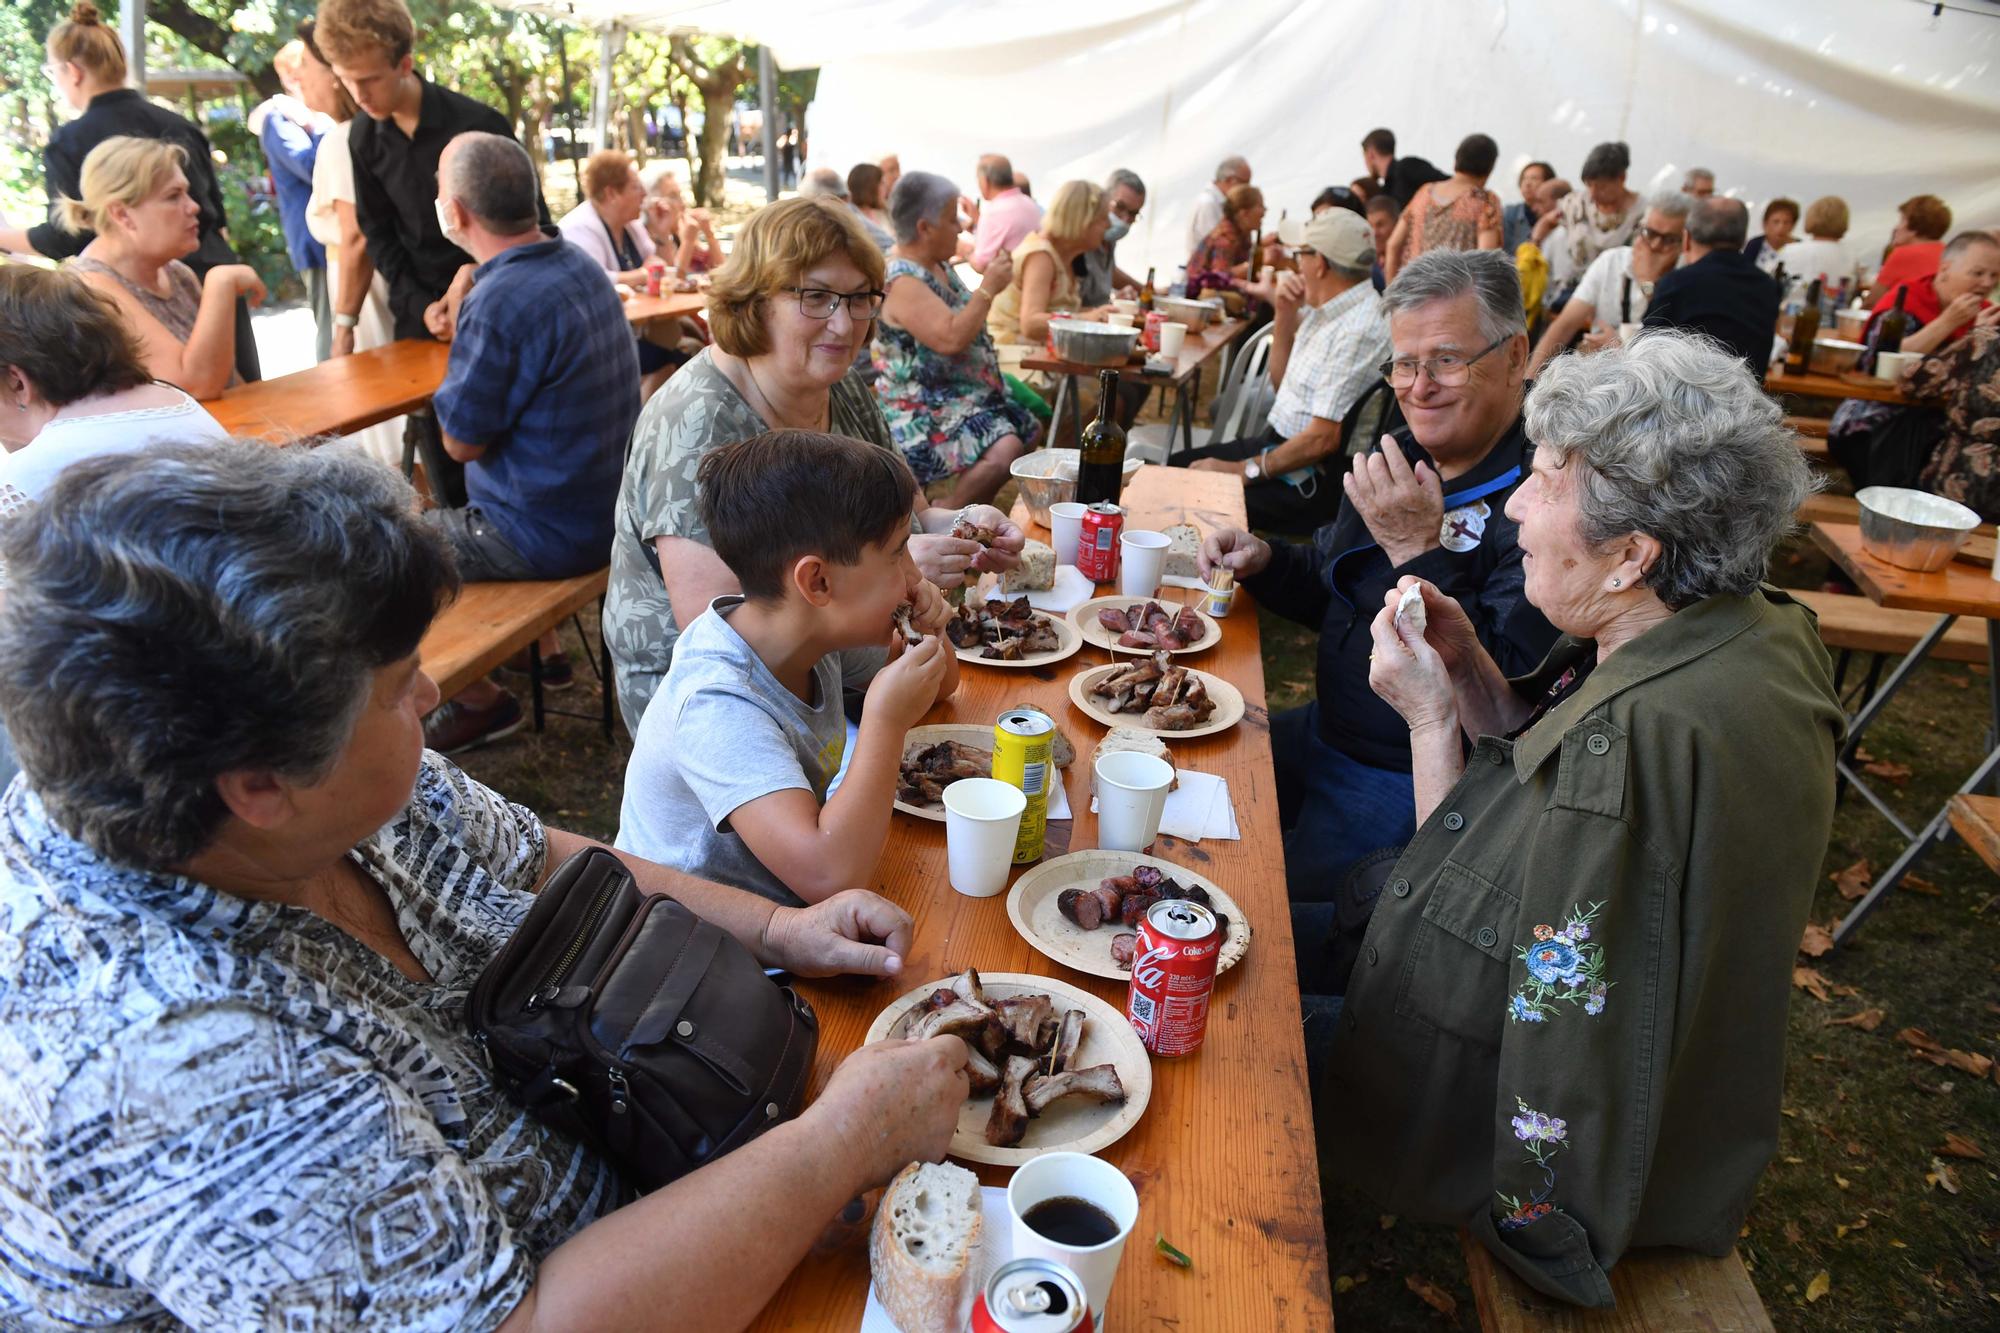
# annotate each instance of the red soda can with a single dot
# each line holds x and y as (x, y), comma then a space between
(1032, 1296)
(1097, 547)
(1173, 971)
(1150, 334)
(656, 270)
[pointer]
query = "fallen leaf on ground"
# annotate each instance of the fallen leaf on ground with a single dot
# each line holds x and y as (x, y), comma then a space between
(1388, 1220)
(1861, 753)
(1841, 1181)
(1942, 1176)
(1888, 771)
(1867, 1020)
(1853, 881)
(1793, 1234)
(1811, 982)
(1973, 1063)
(1342, 1285)
(1795, 1161)
(1854, 1148)
(1818, 940)
(1918, 884)
(1430, 1294)
(1858, 1224)
(1958, 682)
(1957, 1145)
(1819, 1286)
(1898, 1245)
(1919, 1039)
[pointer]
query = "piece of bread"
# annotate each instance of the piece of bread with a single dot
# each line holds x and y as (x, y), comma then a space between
(1130, 738)
(924, 1251)
(1181, 555)
(1035, 573)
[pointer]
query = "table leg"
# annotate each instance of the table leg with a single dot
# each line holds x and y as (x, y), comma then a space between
(1857, 726)
(1934, 833)
(1056, 417)
(1993, 688)
(1183, 417)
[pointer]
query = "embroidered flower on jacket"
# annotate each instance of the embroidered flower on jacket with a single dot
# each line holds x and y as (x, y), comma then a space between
(1545, 932)
(1525, 1014)
(1546, 1135)
(1552, 961)
(1595, 1004)
(1534, 1127)
(1562, 968)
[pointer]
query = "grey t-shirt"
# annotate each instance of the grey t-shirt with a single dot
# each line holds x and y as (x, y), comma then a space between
(721, 733)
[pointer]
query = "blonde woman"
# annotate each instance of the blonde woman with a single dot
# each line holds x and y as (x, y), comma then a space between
(1044, 280)
(136, 201)
(1824, 250)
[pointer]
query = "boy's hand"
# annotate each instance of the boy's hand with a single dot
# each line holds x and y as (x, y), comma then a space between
(929, 612)
(903, 691)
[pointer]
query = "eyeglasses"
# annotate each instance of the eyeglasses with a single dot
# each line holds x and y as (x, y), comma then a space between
(1661, 238)
(1126, 215)
(819, 303)
(1447, 371)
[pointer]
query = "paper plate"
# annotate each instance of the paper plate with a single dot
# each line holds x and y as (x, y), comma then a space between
(1085, 620)
(918, 738)
(1066, 633)
(1073, 1125)
(1228, 704)
(1031, 905)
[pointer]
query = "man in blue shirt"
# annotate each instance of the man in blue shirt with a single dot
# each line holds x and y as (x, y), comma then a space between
(290, 135)
(538, 402)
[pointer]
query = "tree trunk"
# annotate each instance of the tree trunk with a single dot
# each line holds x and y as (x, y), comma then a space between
(717, 104)
(206, 34)
(635, 130)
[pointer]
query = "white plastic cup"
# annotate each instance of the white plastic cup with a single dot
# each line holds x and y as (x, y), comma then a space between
(1065, 529)
(1172, 338)
(1141, 557)
(1627, 332)
(982, 817)
(1889, 365)
(1120, 320)
(1131, 797)
(1125, 306)
(1075, 1175)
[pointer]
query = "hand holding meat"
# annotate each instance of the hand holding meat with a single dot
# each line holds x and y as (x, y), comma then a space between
(891, 1103)
(904, 690)
(999, 539)
(1171, 698)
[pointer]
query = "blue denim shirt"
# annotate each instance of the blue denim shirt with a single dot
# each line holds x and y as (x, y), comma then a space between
(291, 149)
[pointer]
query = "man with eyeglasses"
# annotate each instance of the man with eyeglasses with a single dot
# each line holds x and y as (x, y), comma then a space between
(1718, 290)
(1619, 284)
(1431, 502)
(1098, 275)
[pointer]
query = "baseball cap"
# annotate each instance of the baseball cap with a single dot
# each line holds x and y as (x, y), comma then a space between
(1340, 236)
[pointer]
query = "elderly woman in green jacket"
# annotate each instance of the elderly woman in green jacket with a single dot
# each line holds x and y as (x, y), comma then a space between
(1566, 1025)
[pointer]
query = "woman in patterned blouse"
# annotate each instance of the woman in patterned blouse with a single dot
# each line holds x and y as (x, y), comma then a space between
(243, 908)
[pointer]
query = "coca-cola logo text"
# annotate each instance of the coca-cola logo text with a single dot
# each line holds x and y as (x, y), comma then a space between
(1147, 975)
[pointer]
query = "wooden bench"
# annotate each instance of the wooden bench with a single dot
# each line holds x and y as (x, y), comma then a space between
(490, 622)
(1658, 1291)
(1977, 820)
(1812, 426)
(1856, 625)
(1827, 507)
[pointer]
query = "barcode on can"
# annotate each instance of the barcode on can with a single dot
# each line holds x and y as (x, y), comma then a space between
(1033, 776)
(1142, 1009)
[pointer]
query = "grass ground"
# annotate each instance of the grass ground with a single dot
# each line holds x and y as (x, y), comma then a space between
(1885, 1184)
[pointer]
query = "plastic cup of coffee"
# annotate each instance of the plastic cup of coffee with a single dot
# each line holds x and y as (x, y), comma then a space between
(1093, 1193)
(1172, 338)
(1065, 529)
(982, 817)
(1131, 797)
(1141, 557)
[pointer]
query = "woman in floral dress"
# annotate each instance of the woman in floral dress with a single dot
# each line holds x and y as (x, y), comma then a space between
(937, 375)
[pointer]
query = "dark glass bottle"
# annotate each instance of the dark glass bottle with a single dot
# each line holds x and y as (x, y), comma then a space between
(1147, 295)
(1889, 338)
(1100, 472)
(1805, 330)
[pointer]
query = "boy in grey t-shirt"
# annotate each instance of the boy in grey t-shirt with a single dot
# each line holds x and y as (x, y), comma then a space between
(732, 760)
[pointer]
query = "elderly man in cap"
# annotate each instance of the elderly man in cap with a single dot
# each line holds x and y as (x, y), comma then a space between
(1328, 341)
(1430, 502)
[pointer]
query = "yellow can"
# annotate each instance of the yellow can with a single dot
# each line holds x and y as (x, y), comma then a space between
(1024, 747)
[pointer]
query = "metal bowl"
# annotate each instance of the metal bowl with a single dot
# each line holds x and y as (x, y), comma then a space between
(1834, 356)
(1092, 344)
(1851, 323)
(1048, 477)
(1194, 314)
(1913, 529)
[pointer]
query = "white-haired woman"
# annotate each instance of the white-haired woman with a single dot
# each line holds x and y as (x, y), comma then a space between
(1566, 1027)
(937, 376)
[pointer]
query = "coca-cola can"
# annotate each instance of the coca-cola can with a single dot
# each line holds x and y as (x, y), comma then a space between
(1032, 1296)
(1097, 546)
(1173, 971)
(1149, 334)
(656, 273)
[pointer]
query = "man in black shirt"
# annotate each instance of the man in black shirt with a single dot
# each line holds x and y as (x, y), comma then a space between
(1399, 177)
(396, 143)
(1718, 290)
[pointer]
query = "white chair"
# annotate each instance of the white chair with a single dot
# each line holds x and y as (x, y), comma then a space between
(1240, 406)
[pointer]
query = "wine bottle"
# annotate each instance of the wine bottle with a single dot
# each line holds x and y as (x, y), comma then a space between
(1100, 473)
(1805, 330)
(1146, 294)
(1889, 338)
(1256, 244)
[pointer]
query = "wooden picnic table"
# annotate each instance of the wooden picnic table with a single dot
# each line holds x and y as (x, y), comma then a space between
(1964, 587)
(642, 309)
(1817, 384)
(1185, 378)
(336, 397)
(1223, 1159)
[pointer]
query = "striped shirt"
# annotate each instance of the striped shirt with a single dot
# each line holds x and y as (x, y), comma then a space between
(229, 1114)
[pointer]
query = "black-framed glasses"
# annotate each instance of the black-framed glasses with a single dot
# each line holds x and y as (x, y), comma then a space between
(819, 303)
(1659, 237)
(1447, 371)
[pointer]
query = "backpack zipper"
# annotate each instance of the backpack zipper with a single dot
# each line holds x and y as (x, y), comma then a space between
(556, 975)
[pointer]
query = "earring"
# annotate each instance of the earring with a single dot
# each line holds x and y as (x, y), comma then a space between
(1618, 583)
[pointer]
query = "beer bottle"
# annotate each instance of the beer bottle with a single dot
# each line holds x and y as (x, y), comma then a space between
(1100, 472)
(1146, 295)
(1805, 330)
(1889, 338)
(1256, 244)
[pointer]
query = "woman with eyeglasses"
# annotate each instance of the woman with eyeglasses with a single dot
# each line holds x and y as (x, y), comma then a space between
(937, 376)
(792, 307)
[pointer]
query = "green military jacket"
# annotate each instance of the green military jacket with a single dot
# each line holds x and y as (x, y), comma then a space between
(1566, 1026)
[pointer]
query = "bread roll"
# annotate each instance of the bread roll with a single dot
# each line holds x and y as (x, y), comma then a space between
(924, 1252)
(1035, 573)
(1131, 738)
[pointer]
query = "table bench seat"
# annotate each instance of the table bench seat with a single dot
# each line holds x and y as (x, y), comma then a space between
(1977, 820)
(490, 622)
(1855, 624)
(1658, 1291)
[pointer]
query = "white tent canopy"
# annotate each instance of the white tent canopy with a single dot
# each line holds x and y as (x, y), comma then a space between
(1872, 100)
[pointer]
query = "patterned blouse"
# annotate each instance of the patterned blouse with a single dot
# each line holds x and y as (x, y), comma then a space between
(176, 312)
(1221, 250)
(222, 1113)
(695, 411)
(1965, 465)
(1436, 225)
(944, 412)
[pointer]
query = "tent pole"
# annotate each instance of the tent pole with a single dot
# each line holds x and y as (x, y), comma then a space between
(600, 109)
(767, 100)
(132, 27)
